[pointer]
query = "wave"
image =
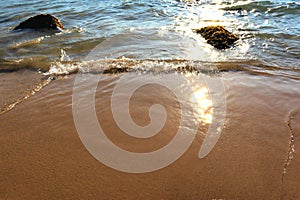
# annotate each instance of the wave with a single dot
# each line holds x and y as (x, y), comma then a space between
(153, 67)
(122, 65)
(265, 7)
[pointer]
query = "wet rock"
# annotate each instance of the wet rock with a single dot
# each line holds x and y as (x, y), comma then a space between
(116, 70)
(186, 69)
(217, 36)
(42, 21)
(232, 9)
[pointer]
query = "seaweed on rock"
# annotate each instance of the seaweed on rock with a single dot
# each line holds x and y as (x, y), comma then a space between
(217, 36)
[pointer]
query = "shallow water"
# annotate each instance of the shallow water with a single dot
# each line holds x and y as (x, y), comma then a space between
(144, 37)
(152, 30)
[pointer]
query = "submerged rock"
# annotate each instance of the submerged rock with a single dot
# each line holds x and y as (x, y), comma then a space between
(217, 36)
(42, 21)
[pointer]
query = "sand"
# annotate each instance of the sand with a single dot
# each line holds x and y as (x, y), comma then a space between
(42, 156)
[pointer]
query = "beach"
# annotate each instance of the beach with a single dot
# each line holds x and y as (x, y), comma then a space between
(129, 100)
(49, 161)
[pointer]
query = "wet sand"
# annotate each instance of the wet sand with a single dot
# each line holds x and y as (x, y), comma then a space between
(42, 156)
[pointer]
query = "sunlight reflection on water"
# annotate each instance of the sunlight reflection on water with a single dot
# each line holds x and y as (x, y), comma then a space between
(203, 105)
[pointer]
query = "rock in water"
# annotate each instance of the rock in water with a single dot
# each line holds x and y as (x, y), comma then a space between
(43, 21)
(217, 36)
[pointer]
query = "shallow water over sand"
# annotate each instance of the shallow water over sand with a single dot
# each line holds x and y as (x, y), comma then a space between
(41, 145)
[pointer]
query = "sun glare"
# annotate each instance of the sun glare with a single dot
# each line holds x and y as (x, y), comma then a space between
(203, 105)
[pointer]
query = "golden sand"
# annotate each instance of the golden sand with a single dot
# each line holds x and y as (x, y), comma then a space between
(42, 156)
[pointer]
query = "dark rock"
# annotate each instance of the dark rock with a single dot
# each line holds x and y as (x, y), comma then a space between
(42, 21)
(116, 70)
(186, 69)
(217, 36)
(232, 9)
